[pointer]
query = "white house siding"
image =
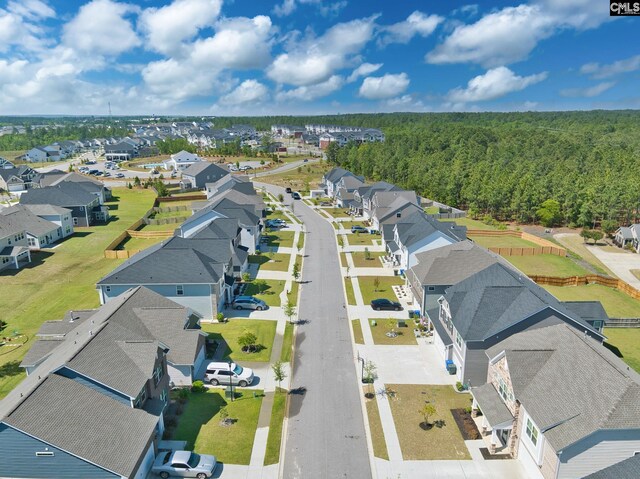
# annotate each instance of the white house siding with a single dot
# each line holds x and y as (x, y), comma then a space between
(147, 462)
(433, 241)
(600, 450)
(526, 452)
(249, 239)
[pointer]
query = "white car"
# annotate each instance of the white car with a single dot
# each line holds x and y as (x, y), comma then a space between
(184, 464)
(227, 373)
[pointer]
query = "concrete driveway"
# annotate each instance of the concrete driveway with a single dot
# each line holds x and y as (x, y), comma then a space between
(620, 263)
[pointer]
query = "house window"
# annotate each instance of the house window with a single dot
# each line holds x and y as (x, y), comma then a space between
(180, 290)
(141, 398)
(107, 289)
(45, 453)
(163, 396)
(75, 221)
(597, 325)
(503, 389)
(532, 432)
(458, 340)
(157, 374)
(32, 242)
(431, 288)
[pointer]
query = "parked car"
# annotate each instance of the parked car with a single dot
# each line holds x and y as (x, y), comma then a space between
(228, 373)
(326, 203)
(382, 304)
(106, 173)
(288, 190)
(359, 229)
(248, 302)
(184, 464)
(277, 223)
(305, 160)
(120, 175)
(93, 172)
(295, 195)
(99, 173)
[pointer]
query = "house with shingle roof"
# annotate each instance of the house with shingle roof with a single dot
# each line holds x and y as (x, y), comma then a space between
(14, 246)
(41, 233)
(628, 235)
(560, 402)
(17, 179)
(181, 160)
(331, 179)
(199, 174)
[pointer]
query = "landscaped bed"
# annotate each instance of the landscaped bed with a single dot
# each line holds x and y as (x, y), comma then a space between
(201, 426)
(271, 261)
(547, 265)
(383, 332)
(231, 331)
(384, 290)
(616, 303)
(435, 443)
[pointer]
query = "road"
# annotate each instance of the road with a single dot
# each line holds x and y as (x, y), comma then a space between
(325, 436)
(286, 167)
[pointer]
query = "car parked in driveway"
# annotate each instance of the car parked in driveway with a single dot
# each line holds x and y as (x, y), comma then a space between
(223, 373)
(288, 190)
(184, 464)
(359, 229)
(248, 302)
(383, 304)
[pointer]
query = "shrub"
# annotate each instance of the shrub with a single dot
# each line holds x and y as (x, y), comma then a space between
(183, 395)
(170, 422)
(198, 387)
(460, 386)
(220, 317)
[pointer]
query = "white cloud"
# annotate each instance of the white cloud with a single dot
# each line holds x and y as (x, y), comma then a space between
(315, 60)
(466, 10)
(100, 28)
(249, 91)
(312, 92)
(598, 71)
(31, 9)
(588, 92)
(18, 30)
(166, 28)
(417, 23)
(386, 86)
(509, 35)
(287, 7)
(495, 83)
(363, 70)
(240, 43)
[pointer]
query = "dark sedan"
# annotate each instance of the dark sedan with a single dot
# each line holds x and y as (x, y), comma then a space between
(382, 304)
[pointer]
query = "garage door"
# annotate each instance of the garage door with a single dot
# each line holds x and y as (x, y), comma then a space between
(145, 465)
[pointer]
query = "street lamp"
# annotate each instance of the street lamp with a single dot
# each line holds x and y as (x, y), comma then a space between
(361, 360)
(231, 382)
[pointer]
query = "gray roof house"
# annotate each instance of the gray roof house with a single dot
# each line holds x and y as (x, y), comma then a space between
(194, 272)
(345, 188)
(236, 182)
(17, 179)
(199, 174)
(490, 306)
(87, 183)
(331, 179)
(628, 235)
(626, 469)
(560, 402)
(364, 195)
(93, 408)
(181, 160)
(14, 246)
(41, 233)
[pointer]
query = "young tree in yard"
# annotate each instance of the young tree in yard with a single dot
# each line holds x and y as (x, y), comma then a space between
(367, 254)
(261, 285)
(296, 271)
(278, 372)
(376, 284)
(136, 181)
(289, 310)
(369, 372)
(248, 341)
(596, 236)
(426, 411)
(224, 416)
(340, 241)
(348, 269)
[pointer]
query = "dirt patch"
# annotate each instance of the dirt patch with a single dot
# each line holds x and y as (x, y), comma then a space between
(466, 424)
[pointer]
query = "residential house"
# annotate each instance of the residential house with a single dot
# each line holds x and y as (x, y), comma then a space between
(488, 307)
(627, 469)
(344, 196)
(120, 151)
(91, 185)
(37, 155)
(41, 233)
(237, 182)
(625, 236)
(85, 207)
(17, 179)
(194, 272)
(14, 246)
(180, 161)
(386, 205)
(362, 205)
(199, 174)
(93, 408)
(560, 402)
(331, 179)
(5, 164)
(55, 214)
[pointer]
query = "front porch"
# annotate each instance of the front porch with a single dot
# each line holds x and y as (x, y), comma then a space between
(14, 255)
(493, 418)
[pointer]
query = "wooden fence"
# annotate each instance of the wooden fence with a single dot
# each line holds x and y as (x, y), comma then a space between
(545, 247)
(623, 323)
(588, 279)
(170, 199)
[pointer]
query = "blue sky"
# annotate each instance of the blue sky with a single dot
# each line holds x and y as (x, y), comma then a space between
(222, 57)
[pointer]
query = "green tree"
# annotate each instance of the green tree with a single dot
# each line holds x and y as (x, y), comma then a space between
(296, 271)
(376, 284)
(136, 181)
(609, 226)
(549, 213)
(261, 285)
(247, 340)
(426, 411)
(279, 373)
(289, 310)
(246, 277)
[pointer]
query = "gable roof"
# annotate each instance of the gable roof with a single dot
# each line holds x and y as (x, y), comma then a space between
(588, 310)
(86, 423)
(20, 218)
(63, 194)
(48, 210)
(497, 298)
(207, 168)
(627, 469)
(570, 384)
(335, 174)
(184, 156)
(419, 225)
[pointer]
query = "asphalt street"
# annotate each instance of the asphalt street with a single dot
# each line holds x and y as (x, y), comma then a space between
(325, 433)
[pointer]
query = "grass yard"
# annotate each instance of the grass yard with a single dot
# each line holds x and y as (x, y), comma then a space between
(170, 227)
(293, 292)
(360, 260)
(186, 203)
(358, 338)
(575, 244)
(11, 155)
(287, 343)
(137, 244)
(502, 242)
(298, 179)
(270, 294)
(627, 340)
(343, 260)
(351, 297)
(369, 292)
(471, 224)
(63, 278)
(405, 335)
(436, 443)
(338, 213)
(300, 244)
(362, 239)
(271, 261)
(375, 426)
(277, 215)
(200, 426)
(616, 303)
(547, 265)
(280, 238)
(272, 455)
(265, 330)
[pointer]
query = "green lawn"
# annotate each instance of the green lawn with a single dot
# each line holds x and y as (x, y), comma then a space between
(362, 239)
(287, 343)
(547, 265)
(272, 455)
(280, 238)
(166, 227)
(383, 326)
(627, 340)
(137, 244)
(300, 244)
(277, 215)
(200, 426)
(338, 213)
(432, 210)
(265, 330)
(299, 178)
(271, 294)
(575, 244)
(616, 303)
(351, 297)
(293, 292)
(11, 155)
(360, 260)
(384, 290)
(437, 443)
(63, 278)
(357, 331)
(472, 224)
(375, 426)
(272, 261)
(502, 242)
